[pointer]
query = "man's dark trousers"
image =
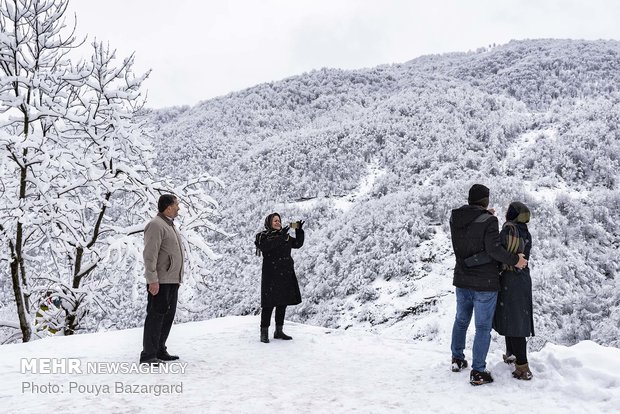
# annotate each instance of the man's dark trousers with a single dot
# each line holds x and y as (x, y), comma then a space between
(160, 310)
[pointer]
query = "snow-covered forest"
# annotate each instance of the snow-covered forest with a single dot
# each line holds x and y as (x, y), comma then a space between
(372, 159)
(536, 121)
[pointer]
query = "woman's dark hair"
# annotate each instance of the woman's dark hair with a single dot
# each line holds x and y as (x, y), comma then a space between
(269, 219)
(165, 201)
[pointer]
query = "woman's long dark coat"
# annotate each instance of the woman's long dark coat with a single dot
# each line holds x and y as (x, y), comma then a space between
(279, 284)
(514, 311)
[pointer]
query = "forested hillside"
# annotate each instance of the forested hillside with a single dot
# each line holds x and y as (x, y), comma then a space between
(535, 120)
(375, 159)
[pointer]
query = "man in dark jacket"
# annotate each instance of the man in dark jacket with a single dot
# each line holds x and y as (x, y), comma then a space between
(478, 251)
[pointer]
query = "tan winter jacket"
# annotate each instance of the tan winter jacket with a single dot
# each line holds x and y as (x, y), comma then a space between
(163, 251)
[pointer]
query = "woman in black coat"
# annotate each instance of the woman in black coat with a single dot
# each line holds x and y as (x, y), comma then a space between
(513, 314)
(279, 286)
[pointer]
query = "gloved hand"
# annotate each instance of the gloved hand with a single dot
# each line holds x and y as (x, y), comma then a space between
(300, 224)
(285, 230)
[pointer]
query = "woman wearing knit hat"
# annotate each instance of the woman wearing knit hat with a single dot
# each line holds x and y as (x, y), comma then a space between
(513, 313)
(279, 286)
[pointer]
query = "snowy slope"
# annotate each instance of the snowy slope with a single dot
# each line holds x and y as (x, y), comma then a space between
(375, 159)
(320, 371)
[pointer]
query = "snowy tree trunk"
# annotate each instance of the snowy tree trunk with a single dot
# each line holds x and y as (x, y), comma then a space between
(18, 270)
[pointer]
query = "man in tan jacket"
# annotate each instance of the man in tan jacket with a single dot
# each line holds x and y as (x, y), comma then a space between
(163, 263)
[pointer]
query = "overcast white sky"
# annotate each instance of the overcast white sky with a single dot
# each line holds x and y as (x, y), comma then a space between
(199, 49)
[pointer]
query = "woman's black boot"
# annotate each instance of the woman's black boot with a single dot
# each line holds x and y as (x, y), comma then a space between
(264, 335)
(278, 334)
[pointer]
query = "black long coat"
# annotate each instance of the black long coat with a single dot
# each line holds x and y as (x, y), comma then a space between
(514, 311)
(279, 284)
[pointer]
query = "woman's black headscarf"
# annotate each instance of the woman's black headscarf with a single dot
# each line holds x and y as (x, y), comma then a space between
(518, 212)
(268, 221)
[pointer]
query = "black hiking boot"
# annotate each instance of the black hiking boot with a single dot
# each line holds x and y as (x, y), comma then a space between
(458, 364)
(264, 335)
(480, 377)
(278, 334)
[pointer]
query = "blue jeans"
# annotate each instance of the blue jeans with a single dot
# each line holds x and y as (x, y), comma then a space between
(481, 303)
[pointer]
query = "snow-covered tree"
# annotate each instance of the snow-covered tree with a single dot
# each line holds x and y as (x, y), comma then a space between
(34, 81)
(78, 183)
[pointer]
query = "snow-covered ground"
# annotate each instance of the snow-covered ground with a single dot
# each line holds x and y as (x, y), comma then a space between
(321, 371)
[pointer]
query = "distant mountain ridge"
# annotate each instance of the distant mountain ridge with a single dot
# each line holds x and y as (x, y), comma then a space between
(536, 72)
(535, 120)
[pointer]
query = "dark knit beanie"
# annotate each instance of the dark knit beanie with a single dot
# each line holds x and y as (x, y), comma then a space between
(478, 195)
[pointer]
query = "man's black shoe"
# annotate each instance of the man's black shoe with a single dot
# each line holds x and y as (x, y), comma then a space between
(458, 364)
(480, 377)
(165, 356)
(151, 361)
